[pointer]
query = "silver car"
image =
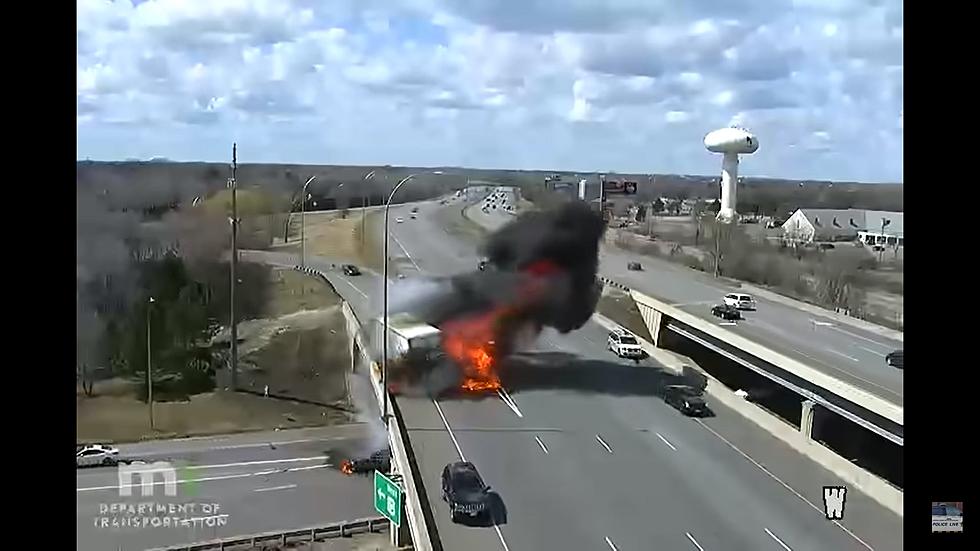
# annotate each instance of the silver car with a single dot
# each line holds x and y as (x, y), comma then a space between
(96, 454)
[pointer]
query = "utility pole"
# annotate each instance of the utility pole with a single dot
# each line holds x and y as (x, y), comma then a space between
(149, 364)
(234, 264)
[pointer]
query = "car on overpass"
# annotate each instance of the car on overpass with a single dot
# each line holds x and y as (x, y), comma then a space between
(96, 454)
(740, 301)
(686, 399)
(464, 490)
(896, 359)
(351, 270)
(726, 312)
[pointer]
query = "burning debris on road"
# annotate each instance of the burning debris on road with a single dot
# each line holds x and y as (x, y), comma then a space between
(377, 461)
(544, 275)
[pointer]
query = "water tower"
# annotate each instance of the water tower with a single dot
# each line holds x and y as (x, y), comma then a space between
(731, 142)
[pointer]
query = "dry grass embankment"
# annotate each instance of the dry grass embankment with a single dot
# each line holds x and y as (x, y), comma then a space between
(298, 348)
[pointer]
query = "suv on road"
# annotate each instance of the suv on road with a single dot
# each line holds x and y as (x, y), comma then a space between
(351, 270)
(624, 344)
(464, 490)
(740, 301)
(686, 399)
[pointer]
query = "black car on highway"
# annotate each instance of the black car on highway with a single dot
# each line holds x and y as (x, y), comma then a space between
(483, 265)
(686, 399)
(726, 312)
(896, 359)
(351, 270)
(464, 490)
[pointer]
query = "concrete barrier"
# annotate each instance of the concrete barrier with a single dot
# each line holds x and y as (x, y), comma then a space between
(876, 488)
(400, 449)
(286, 537)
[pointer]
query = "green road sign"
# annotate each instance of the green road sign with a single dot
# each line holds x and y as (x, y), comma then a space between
(387, 498)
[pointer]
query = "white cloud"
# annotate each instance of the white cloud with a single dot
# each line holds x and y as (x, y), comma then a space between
(586, 84)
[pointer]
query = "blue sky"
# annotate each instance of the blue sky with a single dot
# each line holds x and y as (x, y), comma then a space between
(614, 85)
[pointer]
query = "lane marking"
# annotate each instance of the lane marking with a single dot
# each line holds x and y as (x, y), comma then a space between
(263, 462)
(844, 371)
(501, 536)
(463, 458)
(210, 478)
(853, 359)
(610, 544)
(509, 402)
(785, 485)
(449, 430)
(274, 488)
(354, 287)
(660, 436)
(604, 445)
(540, 443)
(855, 335)
(779, 541)
(406, 253)
(866, 349)
(821, 323)
(694, 541)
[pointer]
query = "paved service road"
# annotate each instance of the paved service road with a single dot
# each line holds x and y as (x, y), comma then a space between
(840, 350)
(580, 449)
(261, 481)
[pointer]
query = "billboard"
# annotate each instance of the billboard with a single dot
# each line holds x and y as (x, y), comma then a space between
(624, 187)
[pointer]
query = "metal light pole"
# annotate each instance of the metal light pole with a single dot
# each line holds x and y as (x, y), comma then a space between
(384, 307)
(367, 177)
(234, 265)
(149, 364)
(302, 226)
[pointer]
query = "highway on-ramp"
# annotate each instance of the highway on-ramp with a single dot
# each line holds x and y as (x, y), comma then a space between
(841, 350)
(585, 456)
(260, 482)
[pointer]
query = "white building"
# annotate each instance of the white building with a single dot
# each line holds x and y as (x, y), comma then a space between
(871, 227)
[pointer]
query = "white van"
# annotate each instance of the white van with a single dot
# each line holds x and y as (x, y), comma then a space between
(740, 301)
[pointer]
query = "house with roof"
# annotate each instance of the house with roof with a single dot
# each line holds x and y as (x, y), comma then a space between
(870, 227)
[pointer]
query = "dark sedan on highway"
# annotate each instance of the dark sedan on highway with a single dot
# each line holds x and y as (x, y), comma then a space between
(726, 312)
(351, 270)
(464, 490)
(686, 399)
(896, 359)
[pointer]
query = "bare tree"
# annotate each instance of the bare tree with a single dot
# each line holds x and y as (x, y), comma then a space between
(721, 236)
(697, 212)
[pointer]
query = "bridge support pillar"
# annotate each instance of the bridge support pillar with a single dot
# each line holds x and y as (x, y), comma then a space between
(806, 419)
(654, 321)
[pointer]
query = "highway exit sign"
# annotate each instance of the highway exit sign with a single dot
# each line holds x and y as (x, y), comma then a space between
(387, 498)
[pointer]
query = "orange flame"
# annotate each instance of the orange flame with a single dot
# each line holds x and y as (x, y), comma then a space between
(347, 467)
(471, 343)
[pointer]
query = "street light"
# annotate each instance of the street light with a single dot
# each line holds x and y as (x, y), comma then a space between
(302, 225)
(367, 177)
(384, 307)
(149, 365)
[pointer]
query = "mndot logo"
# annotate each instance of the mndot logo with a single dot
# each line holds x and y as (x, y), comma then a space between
(146, 472)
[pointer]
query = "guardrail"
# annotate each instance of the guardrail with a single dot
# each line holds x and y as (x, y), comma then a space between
(421, 538)
(285, 537)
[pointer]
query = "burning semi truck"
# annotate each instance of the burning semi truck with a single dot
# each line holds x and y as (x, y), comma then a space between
(460, 329)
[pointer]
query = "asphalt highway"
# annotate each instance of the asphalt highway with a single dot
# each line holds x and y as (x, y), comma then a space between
(583, 453)
(238, 484)
(841, 350)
